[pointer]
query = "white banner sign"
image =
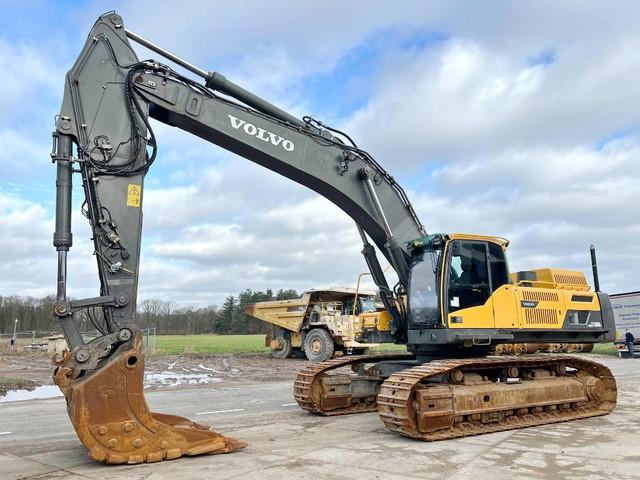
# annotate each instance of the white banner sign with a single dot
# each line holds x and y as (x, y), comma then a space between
(626, 311)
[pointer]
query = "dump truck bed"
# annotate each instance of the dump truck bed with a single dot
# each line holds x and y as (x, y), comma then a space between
(287, 314)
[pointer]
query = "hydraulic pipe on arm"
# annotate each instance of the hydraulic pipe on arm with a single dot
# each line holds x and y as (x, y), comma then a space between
(217, 81)
(264, 134)
(61, 155)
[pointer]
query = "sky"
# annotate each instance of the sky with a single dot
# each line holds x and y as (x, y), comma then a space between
(514, 119)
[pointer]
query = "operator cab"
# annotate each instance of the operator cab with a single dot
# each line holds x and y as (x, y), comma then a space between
(473, 266)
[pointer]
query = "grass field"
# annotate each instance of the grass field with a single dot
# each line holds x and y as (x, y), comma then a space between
(605, 349)
(179, 344)
(11, 383)
(203, 344)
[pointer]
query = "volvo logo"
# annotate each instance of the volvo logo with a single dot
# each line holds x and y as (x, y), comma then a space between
(261, 133)
(528, 303)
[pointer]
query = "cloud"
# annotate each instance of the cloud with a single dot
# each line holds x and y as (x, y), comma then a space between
(21, 152)
(288, 246)
(517, 120)
(463, 99)
(27, 70)
(551, 203)
(32, 79)
(29, 263)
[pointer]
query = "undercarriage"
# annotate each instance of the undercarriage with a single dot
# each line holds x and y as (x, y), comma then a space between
(454, 398)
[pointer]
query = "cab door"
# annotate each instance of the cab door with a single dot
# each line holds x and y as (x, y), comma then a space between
(503, 295)
(468, 288)
(478, 291)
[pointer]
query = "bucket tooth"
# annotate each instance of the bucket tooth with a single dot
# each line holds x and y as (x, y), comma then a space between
(110, 415)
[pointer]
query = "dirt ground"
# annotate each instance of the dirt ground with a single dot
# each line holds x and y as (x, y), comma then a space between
(238, 366)
(164, 371)
(287, 443)
(7, 384)
(32, 366)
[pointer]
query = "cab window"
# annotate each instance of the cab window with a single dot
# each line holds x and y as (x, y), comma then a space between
(476, 270)
(423, 290)
(498, 266)
(469, 283)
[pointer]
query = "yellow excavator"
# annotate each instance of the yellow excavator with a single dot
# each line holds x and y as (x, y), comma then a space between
(454, 301)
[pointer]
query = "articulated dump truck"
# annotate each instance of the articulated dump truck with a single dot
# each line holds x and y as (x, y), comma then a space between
(321, 323)
(451, 301)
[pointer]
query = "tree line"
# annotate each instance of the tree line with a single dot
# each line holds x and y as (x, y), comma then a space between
(34, 314)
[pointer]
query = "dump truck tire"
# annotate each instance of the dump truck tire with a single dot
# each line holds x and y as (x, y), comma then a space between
(281, 344)
(318, 345)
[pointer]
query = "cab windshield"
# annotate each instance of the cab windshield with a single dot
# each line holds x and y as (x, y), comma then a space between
(364, 305)
(423, 291)
(368, 304)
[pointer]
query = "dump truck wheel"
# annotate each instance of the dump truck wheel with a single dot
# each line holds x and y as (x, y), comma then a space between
(281, 344)
(318, 345)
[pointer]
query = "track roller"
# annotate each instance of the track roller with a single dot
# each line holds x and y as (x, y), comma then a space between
(456, 398)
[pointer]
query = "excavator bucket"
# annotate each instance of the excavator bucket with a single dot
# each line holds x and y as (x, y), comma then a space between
(110, 415)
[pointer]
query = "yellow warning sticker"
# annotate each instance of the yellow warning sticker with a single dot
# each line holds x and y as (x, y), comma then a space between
(134, 192)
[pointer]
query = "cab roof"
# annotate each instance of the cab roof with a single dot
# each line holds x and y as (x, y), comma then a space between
(435, 238)
(503, 242)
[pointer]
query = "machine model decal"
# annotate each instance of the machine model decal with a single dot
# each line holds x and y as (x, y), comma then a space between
(261, 133)
(528, 303)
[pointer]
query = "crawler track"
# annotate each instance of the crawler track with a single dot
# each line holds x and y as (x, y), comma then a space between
(312, 396)
(409, 405)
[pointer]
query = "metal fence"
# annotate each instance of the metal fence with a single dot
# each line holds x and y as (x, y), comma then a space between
(148, 341)
(25, 339)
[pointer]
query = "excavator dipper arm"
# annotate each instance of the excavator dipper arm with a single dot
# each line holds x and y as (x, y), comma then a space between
(108, 99)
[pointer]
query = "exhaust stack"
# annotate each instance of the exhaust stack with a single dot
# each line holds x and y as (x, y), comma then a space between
(594, 266)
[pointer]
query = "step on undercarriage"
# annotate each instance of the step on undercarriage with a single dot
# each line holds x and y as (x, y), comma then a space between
(446, 399)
